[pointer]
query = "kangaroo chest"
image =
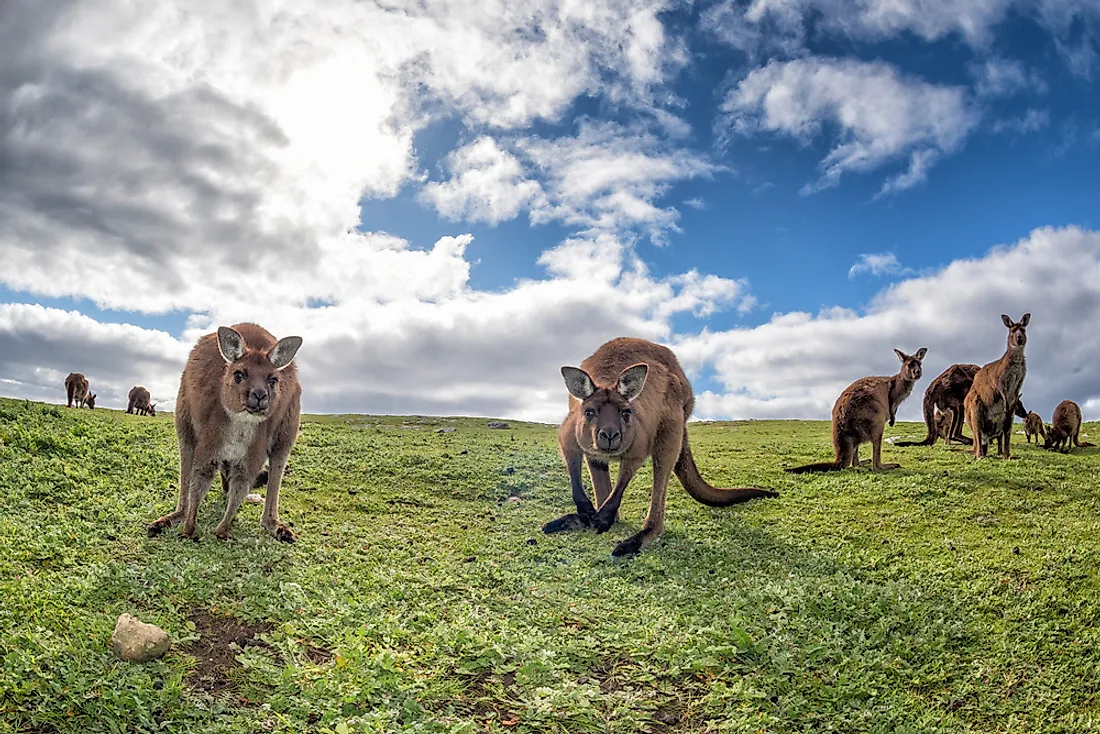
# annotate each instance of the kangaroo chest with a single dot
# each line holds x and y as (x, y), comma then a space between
(240, 434)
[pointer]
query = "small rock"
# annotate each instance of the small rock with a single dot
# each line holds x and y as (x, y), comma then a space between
(254, 499)
(469, 559)
(509, 470)
(532, 541)
(1015, 550)
(138, 642)
(513, 500)
(497, 424)
(446, 429)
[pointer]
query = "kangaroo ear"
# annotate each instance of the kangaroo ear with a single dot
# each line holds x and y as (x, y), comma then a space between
(1008, 321)
(230, 344)
(632, 380)
(921, 352)
(282, 354)
(578, 382)
(1024, 319)
(901, 354)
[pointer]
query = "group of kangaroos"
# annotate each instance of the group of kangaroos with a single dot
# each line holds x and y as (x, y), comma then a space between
(239, 407)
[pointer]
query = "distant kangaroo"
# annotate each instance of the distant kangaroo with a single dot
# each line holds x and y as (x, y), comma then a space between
(1033, 426)
(239, 403)
(946, 392)
(1065, 428)
(861, 412)
(628, 401)
(994, 397)
(76, 390)
(140, 402)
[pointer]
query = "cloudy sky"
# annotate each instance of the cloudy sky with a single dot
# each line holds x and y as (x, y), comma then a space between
(450, 200)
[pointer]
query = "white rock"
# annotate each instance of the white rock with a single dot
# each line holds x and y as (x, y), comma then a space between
(138, 642)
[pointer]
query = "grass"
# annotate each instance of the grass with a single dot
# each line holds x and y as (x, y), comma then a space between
(947, 596)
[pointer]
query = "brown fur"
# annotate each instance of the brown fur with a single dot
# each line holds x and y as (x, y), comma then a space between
(947, 393)
(861, 412)
(77, 392)
(1033, 426)
(994, 398)
(239, 403)
(945, 421)
(629, 401)
(1065, 428)
(140, 402)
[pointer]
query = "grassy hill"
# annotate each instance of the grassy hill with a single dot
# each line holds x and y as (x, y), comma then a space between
(948, 596)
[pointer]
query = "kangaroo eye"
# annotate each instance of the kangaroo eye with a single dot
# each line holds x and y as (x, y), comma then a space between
(589, 414)
(626, 414)
(238, 376)
(272, 380)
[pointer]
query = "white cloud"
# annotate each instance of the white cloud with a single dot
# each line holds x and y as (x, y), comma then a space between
(1006, 77)
(698, 203)
(882, 116)
(795, 365)
(1032, 121)
(487, 184)
(878, 264)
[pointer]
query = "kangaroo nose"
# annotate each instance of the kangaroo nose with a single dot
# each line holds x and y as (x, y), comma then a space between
(608, 436)
(257, 398)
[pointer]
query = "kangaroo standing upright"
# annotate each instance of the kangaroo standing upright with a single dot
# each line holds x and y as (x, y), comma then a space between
(947, 392)
(1065, 428)
(994, 397)
(239, 403)
(629, 401)
(1033, 426)
(861, 412)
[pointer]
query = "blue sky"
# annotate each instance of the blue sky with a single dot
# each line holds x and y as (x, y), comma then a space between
(459, 188)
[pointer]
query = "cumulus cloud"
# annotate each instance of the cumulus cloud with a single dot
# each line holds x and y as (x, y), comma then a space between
(882, 116)
(796, 364)
(878, 264)
(487, 184)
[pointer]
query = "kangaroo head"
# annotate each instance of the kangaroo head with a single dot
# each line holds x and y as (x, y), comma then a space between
(250, 382)
(911, 363)
(152, 409)
(1017, 330)
(90, 400)
(605, 422)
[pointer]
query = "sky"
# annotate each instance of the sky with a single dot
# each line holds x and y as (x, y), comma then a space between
(449, 201)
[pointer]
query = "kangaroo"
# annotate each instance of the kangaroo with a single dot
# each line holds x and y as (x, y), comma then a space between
(76, 390)
(945, 421)
(1033, 426)
(1065, 428)
(946, 392)
(861, 412)
(994, 398)
(239, 403)
(140, 402)
(628, 401)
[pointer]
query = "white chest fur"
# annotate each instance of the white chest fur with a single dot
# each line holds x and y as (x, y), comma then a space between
(239, 435)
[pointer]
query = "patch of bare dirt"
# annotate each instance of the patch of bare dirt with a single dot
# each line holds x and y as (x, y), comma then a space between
(220, 640)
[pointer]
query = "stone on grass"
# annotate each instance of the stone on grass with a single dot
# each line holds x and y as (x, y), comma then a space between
(445, 429)
(497, 424)
(137, 642)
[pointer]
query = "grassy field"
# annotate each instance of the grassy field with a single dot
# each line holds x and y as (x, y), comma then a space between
(947, 596)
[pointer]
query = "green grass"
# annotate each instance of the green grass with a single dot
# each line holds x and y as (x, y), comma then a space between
(948, 596)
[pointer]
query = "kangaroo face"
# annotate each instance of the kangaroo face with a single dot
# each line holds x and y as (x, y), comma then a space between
(911, 363)
(1017, 330)
(90, 400)
(250, 382)
(605, 422)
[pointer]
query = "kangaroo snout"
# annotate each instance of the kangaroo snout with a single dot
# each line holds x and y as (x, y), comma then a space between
(257, 399)
(609, 439)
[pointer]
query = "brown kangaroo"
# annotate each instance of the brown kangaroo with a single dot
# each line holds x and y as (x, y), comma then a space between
(1033, 426)
(239, 403)
(140, 402)
(945, 421)
(861, 412)
(946, 392)
(1065, 428)
(628, 401)
(76, 390)
(994, 398)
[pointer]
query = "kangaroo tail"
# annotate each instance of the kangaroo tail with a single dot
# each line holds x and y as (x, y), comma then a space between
(929, 421)
(1085, 444)
(697, 487)
(821, 466)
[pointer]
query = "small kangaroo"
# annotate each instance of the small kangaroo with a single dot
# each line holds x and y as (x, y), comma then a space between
(945, 421)
(628, 401)
(994, 398)
(239, 403)
(946, 392)
(1033, 426)
(140, 402)
(1065, 428)
(861, 412)
(76, 390)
